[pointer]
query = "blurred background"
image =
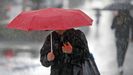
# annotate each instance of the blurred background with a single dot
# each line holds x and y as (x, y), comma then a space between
(20, 50)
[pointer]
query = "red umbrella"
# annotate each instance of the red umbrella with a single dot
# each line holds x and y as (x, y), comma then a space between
(50, 19)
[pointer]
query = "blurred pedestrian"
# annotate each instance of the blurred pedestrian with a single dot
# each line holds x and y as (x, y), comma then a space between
(36, 4)
(70, 54)
(122, 24)
(97, 15)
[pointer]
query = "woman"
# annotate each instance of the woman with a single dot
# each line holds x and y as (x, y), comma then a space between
(122, 24)
(70, 50)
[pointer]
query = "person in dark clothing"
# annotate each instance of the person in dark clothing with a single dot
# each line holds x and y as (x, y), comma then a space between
(122, 24)
(70, 49)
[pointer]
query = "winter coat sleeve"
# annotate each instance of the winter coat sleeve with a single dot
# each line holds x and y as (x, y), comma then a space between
(80, 47)
(44, 51)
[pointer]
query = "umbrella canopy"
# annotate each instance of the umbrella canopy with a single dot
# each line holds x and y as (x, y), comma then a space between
(50, 19)
(119, 6)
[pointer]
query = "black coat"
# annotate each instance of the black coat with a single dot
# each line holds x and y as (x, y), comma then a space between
(63, 64)
(122, 26)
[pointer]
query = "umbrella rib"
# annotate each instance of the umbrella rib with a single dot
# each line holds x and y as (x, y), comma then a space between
(29, 27)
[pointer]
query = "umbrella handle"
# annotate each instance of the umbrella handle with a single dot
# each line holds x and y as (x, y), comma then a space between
(51, 43)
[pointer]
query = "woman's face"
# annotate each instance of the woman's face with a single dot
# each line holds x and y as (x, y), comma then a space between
(60, 31)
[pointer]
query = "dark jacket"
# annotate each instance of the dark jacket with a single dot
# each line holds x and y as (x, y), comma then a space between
(122, 26)
(64, 63)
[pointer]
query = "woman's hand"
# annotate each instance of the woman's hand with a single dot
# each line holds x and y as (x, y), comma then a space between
(67, 48)
(50, 56)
